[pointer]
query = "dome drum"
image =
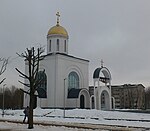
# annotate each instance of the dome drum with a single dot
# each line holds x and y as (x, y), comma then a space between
(57, 39)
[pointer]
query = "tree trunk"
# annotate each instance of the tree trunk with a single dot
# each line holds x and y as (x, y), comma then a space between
(30, 118)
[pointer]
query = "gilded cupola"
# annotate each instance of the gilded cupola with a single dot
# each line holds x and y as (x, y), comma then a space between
(58, 30)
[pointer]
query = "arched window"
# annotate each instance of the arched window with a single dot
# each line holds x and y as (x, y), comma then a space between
(49, 45)
(65, 46)
(73, 80)
(42, 86)
(57, 44)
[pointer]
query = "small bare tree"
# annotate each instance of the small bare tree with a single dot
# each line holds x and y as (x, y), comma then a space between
(147, 98)
(3, 67)
(32, 59)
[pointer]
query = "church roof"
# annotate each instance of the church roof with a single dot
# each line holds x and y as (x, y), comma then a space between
(128, 86)
(105, 71)
(74, 93)
(96, 73)
(67, 56)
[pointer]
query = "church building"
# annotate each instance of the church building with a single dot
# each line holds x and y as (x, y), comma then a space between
(66, 77)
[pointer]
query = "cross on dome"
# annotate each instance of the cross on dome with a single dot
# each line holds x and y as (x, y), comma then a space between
(102, 62)
(58, 15)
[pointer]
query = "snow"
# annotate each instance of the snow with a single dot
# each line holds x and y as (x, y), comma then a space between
(75, 117)
(23, 127)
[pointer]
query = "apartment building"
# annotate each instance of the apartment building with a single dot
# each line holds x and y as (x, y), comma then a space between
(129, 96)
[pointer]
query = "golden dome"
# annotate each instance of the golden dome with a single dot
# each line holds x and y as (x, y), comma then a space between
(58, 30)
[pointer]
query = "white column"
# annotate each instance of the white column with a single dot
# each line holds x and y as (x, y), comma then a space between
(64, 97)
(99, 95)
(110, 95)
(94, 96)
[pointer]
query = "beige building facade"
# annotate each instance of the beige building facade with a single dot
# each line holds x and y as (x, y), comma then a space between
(129, 96)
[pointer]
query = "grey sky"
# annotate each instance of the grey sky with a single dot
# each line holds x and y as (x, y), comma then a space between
(117, 31)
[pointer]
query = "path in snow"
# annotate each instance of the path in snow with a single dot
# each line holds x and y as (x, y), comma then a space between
(7, 126)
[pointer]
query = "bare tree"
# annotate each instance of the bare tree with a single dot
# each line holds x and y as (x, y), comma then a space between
(7, 98)
(17, 97)
(3, 67)
(13, 98)
(147, 98)
(32, 59)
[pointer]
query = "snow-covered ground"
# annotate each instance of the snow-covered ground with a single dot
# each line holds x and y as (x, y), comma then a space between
(95, 117)
(7, 126)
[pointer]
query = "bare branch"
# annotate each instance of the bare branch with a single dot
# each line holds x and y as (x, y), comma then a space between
(2, 81)
(22, 74)
(24, 84)
(22, 77)
(4, 65)
(25, 91)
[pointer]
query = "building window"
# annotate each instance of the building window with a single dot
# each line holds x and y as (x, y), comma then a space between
(49, 45)
(57, 44)
(103, 98)
(42, 86)
(65, 46)
(73, 80)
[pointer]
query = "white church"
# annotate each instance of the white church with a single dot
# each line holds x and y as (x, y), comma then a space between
(66, 77)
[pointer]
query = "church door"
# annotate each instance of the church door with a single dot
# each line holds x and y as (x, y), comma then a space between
(105, 100)
(93, 103)
(82, 103)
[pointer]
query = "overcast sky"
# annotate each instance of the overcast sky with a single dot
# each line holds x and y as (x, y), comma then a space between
(117, 31)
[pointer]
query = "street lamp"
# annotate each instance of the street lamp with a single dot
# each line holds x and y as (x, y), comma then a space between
(64, 97)
(3, 101)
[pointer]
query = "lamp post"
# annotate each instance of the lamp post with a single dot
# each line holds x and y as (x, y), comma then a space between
(3, 101)
(64, 97)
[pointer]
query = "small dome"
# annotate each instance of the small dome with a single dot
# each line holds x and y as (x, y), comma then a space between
(105, 72)
(58, 30)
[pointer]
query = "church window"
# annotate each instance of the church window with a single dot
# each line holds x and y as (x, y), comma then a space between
(65, 46)
(42, 87)
(49, 45)
(73, 80)
(57, 44)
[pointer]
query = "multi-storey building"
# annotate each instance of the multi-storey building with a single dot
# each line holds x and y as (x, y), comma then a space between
(129, 96)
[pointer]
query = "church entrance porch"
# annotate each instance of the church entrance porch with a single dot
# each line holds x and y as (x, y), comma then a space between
(84, 99)
(102, 89)
(79, 98)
